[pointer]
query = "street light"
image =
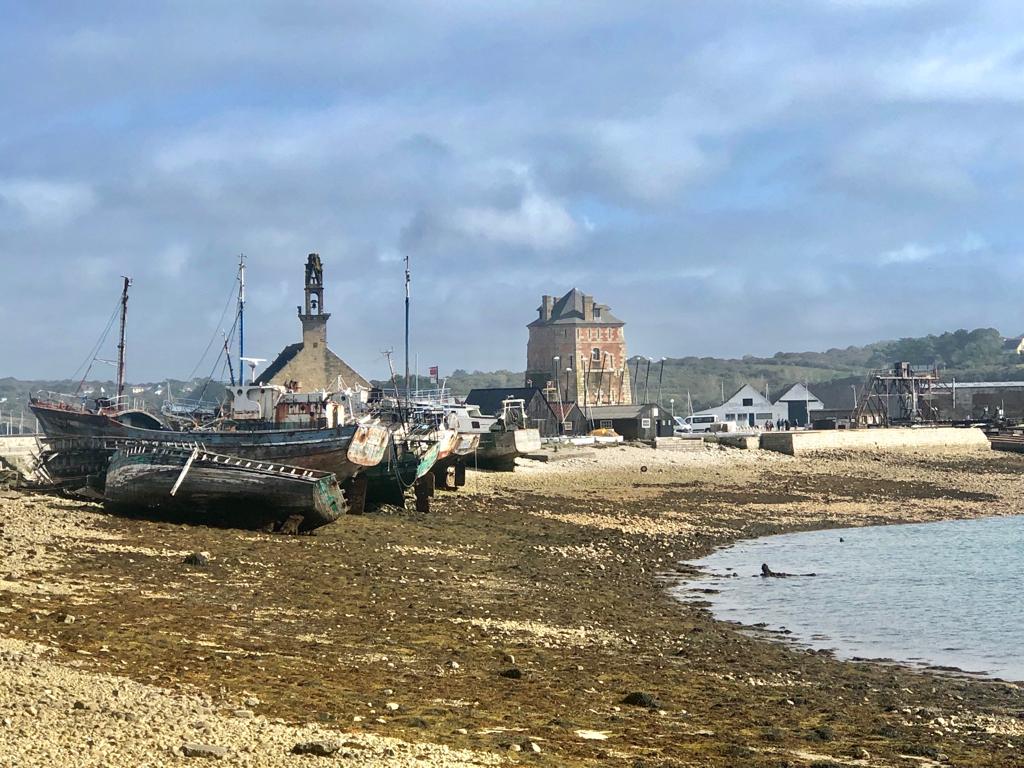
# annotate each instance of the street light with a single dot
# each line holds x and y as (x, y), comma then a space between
(672, 403)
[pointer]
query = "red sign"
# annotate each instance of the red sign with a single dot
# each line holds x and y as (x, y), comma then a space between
(433, 371)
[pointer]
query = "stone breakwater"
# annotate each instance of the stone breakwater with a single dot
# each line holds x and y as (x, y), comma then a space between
(524, 621)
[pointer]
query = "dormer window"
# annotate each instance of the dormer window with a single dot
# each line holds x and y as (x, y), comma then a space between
(597, 313)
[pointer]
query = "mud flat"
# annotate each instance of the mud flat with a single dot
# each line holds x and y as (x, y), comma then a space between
(524, 621)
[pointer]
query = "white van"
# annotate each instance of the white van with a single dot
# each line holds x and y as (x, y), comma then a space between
(695, 424)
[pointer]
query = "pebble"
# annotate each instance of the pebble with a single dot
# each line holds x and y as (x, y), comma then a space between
(204, 750)
(641, 699)
(317, 748)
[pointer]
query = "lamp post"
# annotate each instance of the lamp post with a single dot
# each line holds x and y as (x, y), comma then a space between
(672, 403)
(558, 391)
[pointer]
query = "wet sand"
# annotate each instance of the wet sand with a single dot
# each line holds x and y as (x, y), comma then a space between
(507, 626)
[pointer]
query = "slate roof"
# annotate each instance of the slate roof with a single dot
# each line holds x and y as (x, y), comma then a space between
(782, 398)
(756, 394)
(489, 400)
(286, 356)
(565, 409)
(615, 411)
(1013, 344)
(568, 310)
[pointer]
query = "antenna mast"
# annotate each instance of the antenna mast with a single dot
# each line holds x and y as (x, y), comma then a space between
(408, 281)
(120, 346)
(241, 308)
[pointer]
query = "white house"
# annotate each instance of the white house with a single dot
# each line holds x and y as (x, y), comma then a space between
(749, 408)
(797, 404)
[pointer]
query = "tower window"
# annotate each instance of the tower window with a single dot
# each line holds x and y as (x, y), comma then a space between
(595, 355)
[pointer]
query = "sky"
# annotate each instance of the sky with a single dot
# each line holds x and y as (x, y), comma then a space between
(731, 177)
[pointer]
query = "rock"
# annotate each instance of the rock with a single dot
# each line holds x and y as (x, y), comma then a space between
(199, 559)
(242, 713)
(640, 699)
(316, 748)
(859, 752)
(531, 746)
(64, 618)
(82, 705)
(391, 706)
(513, 673)
(204, 750)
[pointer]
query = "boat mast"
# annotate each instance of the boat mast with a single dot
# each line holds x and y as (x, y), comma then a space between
(408, 280)
(120, 346)
(241, 308)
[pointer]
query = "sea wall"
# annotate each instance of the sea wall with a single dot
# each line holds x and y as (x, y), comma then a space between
(679, 443)
(893, 439)
(18, 452)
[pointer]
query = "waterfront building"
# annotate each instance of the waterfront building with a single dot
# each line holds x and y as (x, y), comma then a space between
(577, 352)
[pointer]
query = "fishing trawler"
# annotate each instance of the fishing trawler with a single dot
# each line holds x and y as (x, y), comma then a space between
(322, 431)
(502, 437)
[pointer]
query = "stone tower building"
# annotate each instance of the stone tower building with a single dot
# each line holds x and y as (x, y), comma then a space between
(310, 364)
(577, 352)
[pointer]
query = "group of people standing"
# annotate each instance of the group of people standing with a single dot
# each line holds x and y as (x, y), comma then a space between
(779, 424)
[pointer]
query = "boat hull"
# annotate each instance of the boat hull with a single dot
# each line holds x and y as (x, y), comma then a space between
(216, 488)
(498, 450)
(92, 438)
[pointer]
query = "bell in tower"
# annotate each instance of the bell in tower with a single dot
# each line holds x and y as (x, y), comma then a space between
(314, 285)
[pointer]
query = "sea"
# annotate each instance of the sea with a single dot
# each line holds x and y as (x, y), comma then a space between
(946, 594)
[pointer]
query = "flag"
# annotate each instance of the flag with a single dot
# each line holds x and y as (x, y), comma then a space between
(433, 373)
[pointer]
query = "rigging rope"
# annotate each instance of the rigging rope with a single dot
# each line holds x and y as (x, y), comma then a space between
(91, 357)
(213, 337)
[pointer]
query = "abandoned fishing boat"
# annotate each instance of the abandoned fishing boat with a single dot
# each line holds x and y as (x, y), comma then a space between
(191, 482)
(502, 437)
(263, 422)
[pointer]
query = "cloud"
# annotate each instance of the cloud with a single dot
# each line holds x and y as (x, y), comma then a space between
(173, 259)
(537, 222)
(36, 202)
(911, 253)
(675, 160)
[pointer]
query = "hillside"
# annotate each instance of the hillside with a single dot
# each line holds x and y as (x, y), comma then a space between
(14, 395)
(966, 355)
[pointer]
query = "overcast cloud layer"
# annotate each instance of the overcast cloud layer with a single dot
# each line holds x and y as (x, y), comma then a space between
(731, 177)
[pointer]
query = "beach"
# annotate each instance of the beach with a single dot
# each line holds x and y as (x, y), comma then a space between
(525, 620)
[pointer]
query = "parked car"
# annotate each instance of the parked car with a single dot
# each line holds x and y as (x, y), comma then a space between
(691, 424)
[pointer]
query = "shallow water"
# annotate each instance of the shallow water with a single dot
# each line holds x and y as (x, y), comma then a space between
(948, 594)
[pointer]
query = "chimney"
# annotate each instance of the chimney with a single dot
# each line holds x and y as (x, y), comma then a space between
(547, 307)
(588, 308)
